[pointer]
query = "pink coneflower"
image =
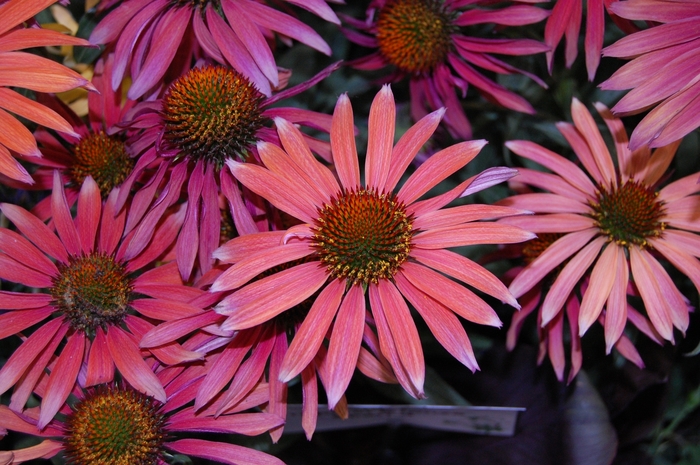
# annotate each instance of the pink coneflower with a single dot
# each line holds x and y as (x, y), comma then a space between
(615, 223)
(98, 151)
(561, 335)
(111, 424)
(205, 117)
(662, 72)
(29, 71)
(96, 300)
(427, 42)
(359, 239)
(153, 37)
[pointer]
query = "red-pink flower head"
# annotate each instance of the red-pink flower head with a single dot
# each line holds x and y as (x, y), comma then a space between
(29, 71)
(154, 36)
(617, 226)
(84, 291)
(364, 239)
(427, 41)
(662, 73)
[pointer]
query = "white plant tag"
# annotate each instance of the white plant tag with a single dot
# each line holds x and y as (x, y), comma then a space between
(493, 421)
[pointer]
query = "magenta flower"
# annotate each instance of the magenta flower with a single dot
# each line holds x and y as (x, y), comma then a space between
(29, 71)
(616, 225)
(662, 72)
(96, 296)
(112, 424)
(152, 37)
(427, 42)
(206, 117)
(357, 239)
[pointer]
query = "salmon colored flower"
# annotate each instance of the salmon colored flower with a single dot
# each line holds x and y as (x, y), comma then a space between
(205, 117)
(663, 70)
(360, 239)
(152, 37)
(430, 43)
(112, 424)
(88, 294)
(29, 71)
(617, 226)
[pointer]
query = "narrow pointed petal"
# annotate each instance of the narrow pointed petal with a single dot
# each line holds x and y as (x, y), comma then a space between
(17, 137)
(471, 234)
(264, 299)
(602, 278)
(132, 367)
(16, 11)
(616, 306)
(654, 301)
(380, 139)
(12, 168)
(62, 381)
(344, 347)
(312, 331)
(343, 144)
(222, 452)
(100, 367)
(568, 278)
(309, 409)
(89, 211)
(62, 217)
(438, 167)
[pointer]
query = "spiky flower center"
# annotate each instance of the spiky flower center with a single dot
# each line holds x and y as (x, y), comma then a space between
(92, 291)
(414, 35)
(629, 214)
(104, 158)
(114, 426)
(212, 113)
(363, 236)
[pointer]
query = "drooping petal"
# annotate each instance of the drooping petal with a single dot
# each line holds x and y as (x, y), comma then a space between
(656, 305)
(232, 454)
(131, 365)
(602, 278)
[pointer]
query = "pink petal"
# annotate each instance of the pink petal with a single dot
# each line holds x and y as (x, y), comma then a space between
(471, 234)
(250, 424)
(603, 277)
(12, 323)
(455, 297)
(344, 346)
(583, 151)
(15, 12)
(132, 367)
(380, 139)
(616, 306)
(462, 268)
(21, 250)
(63, 378)
(443, 323)
(161, 309)
(89, 211)
(677, 303)
(240, 247)
(568, 278)
(551, 223)
(100, 367)
(343, 144)
(17, 137)
(595, 28)
(463, 214)
(309, 411)
(11, 167)
(589, 130)
(656, 305)
(222, 452)
(312, 331)
(30, 109)
(679, 257)
(551, 258)
(266, 298)
(62, 217)
(438, 167)
(170, 331)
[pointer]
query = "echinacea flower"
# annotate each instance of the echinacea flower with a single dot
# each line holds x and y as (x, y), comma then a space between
(617, 226)
(152, 37)
(663, 70)
(561, 335)
(428, 42)
(112, 424)
(99, 151)
(357, 240)
(29, 71)
(83, 292)
(206, 117)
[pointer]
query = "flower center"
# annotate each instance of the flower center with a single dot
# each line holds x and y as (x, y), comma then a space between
(629, 214)
(104, 158)
(363, 236)
(414, 35)
(212, 113)
(535, 247)
(113, 426)
(92, 291)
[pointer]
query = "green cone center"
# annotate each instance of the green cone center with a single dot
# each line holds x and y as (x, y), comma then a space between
(92, 291)
(363, 236)
(114, 426)
(629, 214)
(212, 113)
